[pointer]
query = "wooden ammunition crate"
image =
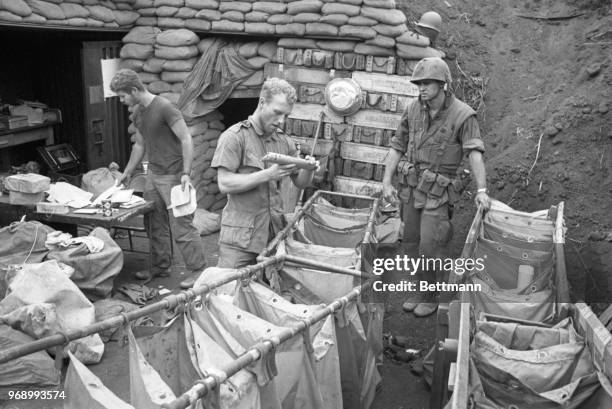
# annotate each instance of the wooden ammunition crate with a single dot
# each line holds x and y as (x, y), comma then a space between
(354, 186)
(364, 153)
(359, 170)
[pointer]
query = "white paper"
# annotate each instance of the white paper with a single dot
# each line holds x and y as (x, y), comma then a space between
(109, 68)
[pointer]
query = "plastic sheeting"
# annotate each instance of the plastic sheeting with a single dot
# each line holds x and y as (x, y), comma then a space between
(47, 283)
(516, 366)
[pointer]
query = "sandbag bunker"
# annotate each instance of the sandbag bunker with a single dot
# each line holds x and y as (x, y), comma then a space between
(305, 341)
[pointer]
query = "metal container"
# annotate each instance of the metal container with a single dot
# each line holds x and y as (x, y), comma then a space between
(107, 210)
(343, 96)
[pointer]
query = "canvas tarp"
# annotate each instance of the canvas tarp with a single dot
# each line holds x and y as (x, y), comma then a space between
(83, 389)
(266, 304)
(519, 366)
(236, 330)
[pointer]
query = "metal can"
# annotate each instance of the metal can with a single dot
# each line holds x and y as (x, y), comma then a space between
(107, 211)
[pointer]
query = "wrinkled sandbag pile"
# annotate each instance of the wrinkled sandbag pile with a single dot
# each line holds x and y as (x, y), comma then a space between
(258, 54)
(79, 13)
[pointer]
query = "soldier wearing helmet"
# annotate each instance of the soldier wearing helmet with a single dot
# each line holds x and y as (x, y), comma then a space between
(430, 25)
(436, 131)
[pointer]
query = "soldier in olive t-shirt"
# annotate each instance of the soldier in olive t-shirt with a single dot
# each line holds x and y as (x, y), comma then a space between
(164, 136)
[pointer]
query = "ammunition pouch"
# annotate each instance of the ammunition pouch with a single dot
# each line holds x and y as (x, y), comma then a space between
(426, 181)
(440, 186)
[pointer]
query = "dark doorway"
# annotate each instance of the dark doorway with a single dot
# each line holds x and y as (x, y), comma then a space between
(237, 109)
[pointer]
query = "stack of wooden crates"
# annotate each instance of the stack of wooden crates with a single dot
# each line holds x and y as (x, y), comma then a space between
(355, 147)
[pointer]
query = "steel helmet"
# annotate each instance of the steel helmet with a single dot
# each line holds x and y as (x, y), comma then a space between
(431, 20)
(431, 68)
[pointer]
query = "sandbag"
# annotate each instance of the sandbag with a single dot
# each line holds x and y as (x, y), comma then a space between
(74, 10)
(141, 35)
(158, 87)
(256, 79)
(235, 16)
(280, 19)
(171, 3)
(390, 31)
(16, 7)
(153, 65)
(98, 180)
(383, 4)
(206, 222)
(210, 15)
(413, 38)
(258, 62)
(170, 22)
(248, 50)
(381, 41)
(34, 18)
(32, 370)
(197, 24)
(267, 49)
(8, 16)
(362, 21)
(148, 12)
(341, 8)
(224, 25)
(85, 390)
(391, 17)
(136, 51)
(174, 76)
(165, 11)
(306, 18)
(412, 52)
(359, 32)
(321, 29)
(241, 6)
(297, 43)
(125, 17)
(101, 13)
(335, 19)
(270, 7)
(179, 65)
(202, 4)
(177, 38)
(205, 43)
(185, 13)
(132, 64)
(48, 10)
(367, 49)
(148, 77)
(142, 21)
(304, 6)
(293, 29)
(176, 88)
(259, 28)
(22, 242)
(256, 17)
(176, 53)
(336, 45)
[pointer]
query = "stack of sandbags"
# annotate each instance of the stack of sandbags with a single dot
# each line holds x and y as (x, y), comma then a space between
(137, 49)
(167, 12)
(146, 11)
(413, 46)
(90, 13)
(175, 55)
(258, 54)
(205, 132)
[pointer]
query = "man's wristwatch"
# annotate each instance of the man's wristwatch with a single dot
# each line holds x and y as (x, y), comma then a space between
(482, 190)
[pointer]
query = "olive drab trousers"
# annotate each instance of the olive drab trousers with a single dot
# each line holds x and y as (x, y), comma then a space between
(429, 230)
(161, 222)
